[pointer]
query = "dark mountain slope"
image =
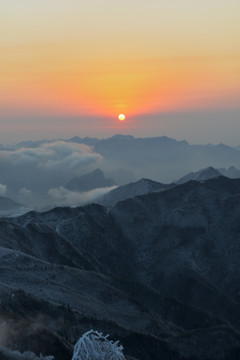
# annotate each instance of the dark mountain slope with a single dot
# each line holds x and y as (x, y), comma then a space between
(189, 226)
(160, 272)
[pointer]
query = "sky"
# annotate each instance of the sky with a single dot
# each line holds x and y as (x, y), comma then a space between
(69, 67)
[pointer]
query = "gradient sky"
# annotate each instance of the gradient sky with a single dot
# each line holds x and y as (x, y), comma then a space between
(69, 67)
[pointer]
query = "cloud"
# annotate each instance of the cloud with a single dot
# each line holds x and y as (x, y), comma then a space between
(25, 192)
(26, 197)
(64, 197)
(53, 155)
(3, 189)
(47, 165)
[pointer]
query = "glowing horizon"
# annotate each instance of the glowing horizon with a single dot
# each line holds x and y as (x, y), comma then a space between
(102, 59)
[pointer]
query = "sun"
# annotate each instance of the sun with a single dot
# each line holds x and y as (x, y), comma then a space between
(121, 117)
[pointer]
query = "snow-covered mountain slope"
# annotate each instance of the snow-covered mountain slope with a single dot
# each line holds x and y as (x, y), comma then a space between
(159, 272)
(141, 187)
(201, 175)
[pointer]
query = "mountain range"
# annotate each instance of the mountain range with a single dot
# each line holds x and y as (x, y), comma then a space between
(43, 173)
(147, 186)
(160, 158)
(209, 173)
(159, 272)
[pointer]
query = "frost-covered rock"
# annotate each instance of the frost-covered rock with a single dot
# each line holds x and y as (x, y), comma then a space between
(95, 346)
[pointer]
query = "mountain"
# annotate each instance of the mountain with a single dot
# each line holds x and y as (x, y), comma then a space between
(201, 175)
(141, 187)
(158, 272)
(160, 158)
(9, 207)
(209, 173)
(231, 172)
(124, 158)
(89, 181)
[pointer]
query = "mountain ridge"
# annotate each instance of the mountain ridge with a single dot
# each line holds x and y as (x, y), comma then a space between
(140, 187)
(158, 271)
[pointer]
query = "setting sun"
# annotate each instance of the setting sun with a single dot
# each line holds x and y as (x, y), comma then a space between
(121, 117)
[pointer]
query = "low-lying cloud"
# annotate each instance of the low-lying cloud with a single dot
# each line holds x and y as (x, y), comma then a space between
(64, 197)
(52, 155)
(48, 165)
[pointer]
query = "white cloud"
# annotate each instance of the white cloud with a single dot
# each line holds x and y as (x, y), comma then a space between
(53, 155)
(3, 189)
(25, 192)
(46, 165)
(64, 197)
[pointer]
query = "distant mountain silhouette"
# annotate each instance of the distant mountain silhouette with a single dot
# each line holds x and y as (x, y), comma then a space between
(209, 173)
(89, 181)
(231, 172)
(160, 158)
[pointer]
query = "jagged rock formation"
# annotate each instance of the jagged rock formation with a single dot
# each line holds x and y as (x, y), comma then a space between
(159, 272)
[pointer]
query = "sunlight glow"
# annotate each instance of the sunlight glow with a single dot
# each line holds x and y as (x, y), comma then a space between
(121, 117)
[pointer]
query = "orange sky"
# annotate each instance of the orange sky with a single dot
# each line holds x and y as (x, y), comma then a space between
(69, 58)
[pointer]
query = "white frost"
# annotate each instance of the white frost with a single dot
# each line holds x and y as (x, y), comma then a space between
(95, 346)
